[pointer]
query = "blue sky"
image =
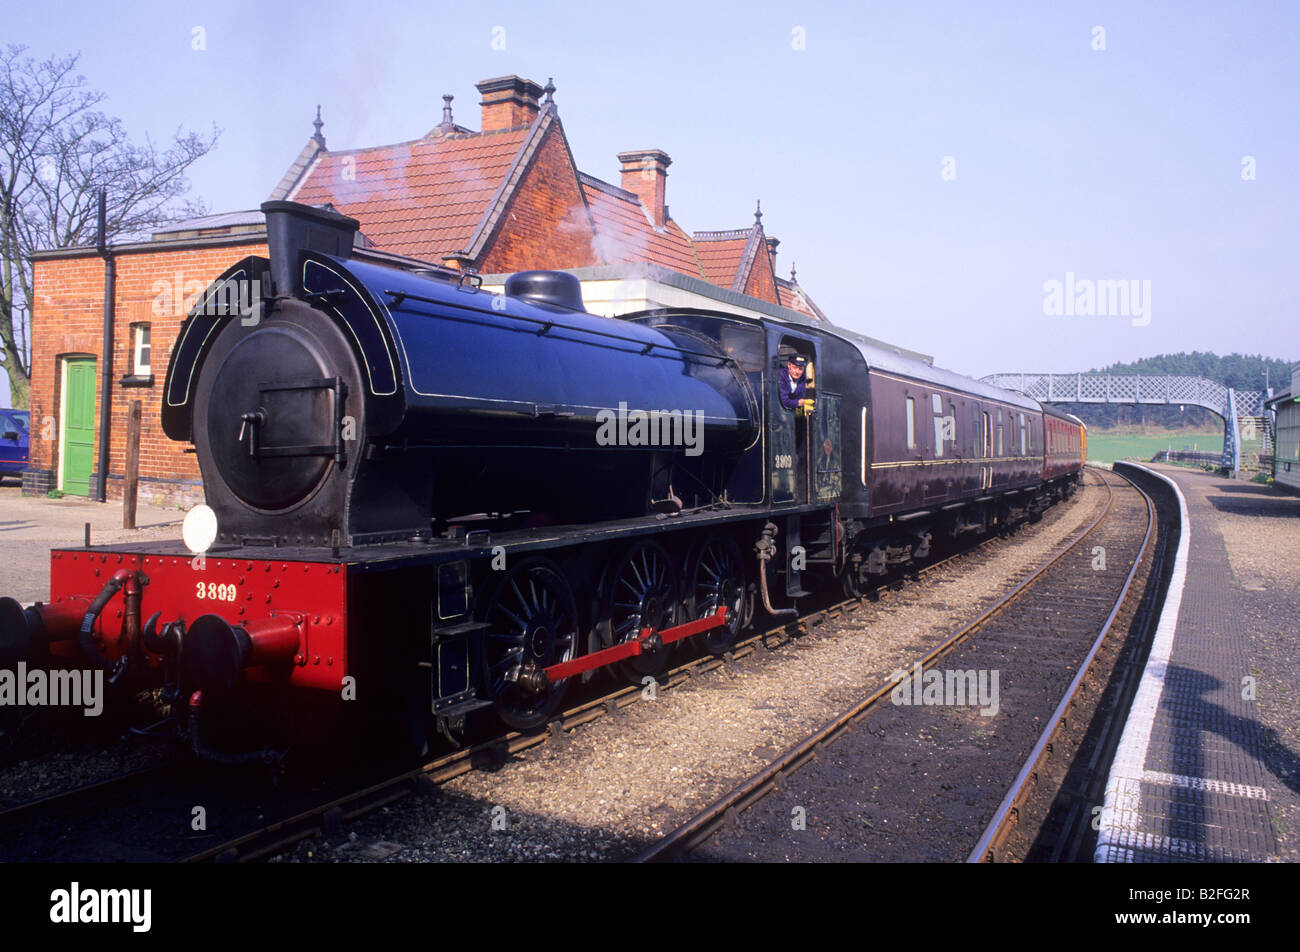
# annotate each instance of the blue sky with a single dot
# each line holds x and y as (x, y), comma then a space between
(1122, 163)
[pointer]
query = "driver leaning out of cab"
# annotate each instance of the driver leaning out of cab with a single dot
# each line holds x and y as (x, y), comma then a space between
(793, 385)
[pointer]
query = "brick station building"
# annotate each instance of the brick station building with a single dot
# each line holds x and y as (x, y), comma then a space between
(506, 198)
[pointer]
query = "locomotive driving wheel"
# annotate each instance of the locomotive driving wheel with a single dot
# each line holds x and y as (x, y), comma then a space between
(534, 622)
(642, 593)
(716, 577)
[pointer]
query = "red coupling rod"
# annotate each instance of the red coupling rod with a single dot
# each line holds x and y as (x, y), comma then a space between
(649, 640)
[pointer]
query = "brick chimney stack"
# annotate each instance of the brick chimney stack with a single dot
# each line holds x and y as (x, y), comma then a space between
(508, 101)
(645, 174)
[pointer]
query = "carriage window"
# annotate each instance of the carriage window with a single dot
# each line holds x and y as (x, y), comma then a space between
(938, 427)
(999, 437)
(911, 423)
(1023, 434)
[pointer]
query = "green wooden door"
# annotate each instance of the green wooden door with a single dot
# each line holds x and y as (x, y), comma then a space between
(78, 449)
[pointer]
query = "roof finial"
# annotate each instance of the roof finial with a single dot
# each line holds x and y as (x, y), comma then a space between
(320, 139)
(793, 279)
(549, 89)
(758, 212)
(447, 125)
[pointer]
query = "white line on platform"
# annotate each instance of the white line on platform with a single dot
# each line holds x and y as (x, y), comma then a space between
(1120, 818)
(1129, 844)
(1204, 783)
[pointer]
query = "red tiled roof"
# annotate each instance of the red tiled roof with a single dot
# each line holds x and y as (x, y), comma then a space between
(423, 198)
(426, 199)
(624, 233)
(720, 257)
(793, 297)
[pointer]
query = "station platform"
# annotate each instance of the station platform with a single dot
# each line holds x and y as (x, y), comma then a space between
(1208, 768)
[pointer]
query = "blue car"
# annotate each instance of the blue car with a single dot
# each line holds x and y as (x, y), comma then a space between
(15, 441)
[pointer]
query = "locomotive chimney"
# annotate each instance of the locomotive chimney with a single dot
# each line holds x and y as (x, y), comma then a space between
(292, 228)
(645, 175)
(508, 101)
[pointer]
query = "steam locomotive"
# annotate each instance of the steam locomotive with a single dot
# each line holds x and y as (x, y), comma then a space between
(450, 500)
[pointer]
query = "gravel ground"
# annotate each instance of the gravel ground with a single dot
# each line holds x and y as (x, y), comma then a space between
(49, 751)
(1260, 528)
(614, 785)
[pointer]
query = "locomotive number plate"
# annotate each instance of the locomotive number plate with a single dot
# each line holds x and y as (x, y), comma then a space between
(212, 591)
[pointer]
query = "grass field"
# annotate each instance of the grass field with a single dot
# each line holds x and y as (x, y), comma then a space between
(1108, 447)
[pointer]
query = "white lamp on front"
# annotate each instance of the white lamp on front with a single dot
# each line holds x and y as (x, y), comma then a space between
(199, 530)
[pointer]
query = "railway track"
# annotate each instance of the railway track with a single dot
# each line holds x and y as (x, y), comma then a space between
(80, 798)
(1082, 699)
(1055, 581)
(327, 815)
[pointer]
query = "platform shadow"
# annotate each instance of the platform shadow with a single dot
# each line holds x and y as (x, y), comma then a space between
(1192, 759)
(1270, 506)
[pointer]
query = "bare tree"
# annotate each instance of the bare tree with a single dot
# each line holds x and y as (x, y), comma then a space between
(56, 151)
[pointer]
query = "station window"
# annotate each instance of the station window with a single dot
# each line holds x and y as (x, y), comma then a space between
(140, 348)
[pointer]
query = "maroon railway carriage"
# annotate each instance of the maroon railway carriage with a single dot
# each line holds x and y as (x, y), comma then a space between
(942, 455)
(940, 440)
(1065, 441)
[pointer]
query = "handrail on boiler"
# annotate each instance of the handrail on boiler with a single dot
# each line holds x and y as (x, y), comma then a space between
(546, 325)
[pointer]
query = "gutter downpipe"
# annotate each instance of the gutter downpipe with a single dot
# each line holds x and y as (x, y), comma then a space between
(106, 349)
